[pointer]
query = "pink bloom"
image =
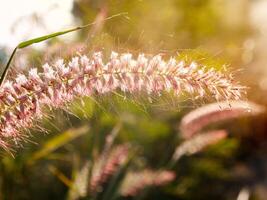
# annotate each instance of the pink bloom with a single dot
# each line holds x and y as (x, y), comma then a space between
(22, 100)
(135, 182)
(196, 120)
(198, 142)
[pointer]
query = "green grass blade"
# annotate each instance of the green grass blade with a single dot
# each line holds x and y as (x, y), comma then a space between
(47, 37)
(43, 38)
(7, 66)
(115, 183)
(79, 187)
(58, 141)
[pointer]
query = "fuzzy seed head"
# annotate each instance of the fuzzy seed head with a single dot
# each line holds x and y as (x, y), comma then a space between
(22, 100)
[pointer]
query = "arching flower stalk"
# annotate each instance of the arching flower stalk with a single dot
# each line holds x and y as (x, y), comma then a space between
(104, 170)
(197, 143)
(193, 122)
(136, 182)
(22, 100)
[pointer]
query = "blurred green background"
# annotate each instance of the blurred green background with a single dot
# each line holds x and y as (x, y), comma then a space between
(217, 33)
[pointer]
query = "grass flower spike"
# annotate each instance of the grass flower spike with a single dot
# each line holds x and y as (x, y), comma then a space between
(22, 100)
(196, 120)
(198, 142)
(135, 182)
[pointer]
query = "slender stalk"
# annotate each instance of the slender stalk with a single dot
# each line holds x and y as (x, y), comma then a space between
(47, 37)
(7, 66)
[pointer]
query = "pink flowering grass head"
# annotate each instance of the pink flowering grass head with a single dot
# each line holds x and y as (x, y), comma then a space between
(22, 100)
(198, 142)
(104, 169)
(196, 120)
(135, 182)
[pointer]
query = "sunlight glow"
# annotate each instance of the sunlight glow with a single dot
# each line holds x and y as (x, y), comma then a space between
(22, 20)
